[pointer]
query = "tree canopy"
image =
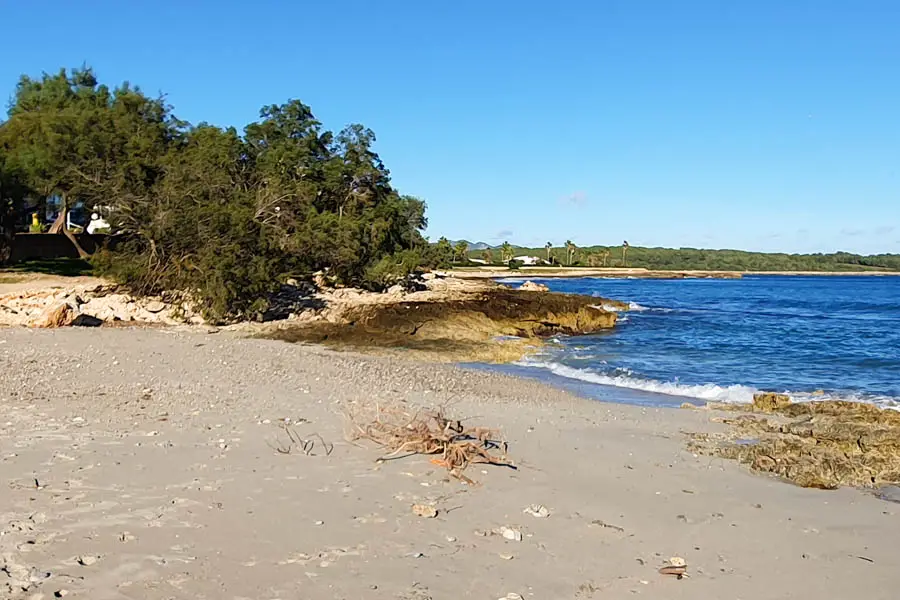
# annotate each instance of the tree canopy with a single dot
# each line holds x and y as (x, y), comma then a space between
(222, 214)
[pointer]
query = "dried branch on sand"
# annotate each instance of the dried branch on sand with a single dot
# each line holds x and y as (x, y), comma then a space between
(403, 431)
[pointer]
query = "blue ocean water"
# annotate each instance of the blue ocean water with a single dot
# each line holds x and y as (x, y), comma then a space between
(825, 337)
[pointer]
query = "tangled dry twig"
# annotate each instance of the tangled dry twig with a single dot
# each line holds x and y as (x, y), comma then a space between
(404, 432)
(295, 441)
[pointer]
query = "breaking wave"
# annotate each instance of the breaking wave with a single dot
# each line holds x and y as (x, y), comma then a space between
(732, 394)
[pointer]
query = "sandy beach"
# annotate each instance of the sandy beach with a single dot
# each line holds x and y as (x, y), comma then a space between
(142, 464)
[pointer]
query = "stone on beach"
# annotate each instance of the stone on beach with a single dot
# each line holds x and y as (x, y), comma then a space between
(531, 286)
(770, 401)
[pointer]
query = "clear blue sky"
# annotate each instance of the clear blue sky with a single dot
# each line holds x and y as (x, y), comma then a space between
(765, 124)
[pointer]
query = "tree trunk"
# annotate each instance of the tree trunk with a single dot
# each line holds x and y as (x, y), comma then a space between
(60, 226)
(60, 223)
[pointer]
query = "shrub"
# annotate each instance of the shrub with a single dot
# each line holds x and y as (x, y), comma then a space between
(392, 270)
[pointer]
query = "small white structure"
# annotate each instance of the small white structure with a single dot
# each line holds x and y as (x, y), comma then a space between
(97, 222)
(478, 261)
(528, 260)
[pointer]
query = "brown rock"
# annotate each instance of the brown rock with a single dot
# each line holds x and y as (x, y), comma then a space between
(815, 444)
(425, 510)
(770, 401)
(531, 286)
(155, 306)
(58, 315)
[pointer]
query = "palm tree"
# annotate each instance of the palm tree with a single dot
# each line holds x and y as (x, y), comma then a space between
(549, 247)
(506, 252)
(570, 252)
(461, 251)
(488, 256)
(624, 253)
(605, 256)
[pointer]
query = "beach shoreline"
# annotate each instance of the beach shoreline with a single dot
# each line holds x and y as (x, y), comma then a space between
(154, 453)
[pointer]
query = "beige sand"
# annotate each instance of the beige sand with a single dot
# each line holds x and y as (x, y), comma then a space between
(148, 454)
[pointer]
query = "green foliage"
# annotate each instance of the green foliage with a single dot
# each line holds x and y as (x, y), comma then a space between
(683, 259)
(441, 254)
(223, 216)
(461, 252)
(392, 270)
(515, 265)
(12, 195)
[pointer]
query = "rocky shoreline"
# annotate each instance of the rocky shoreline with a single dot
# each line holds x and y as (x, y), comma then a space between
(819, 444)
(823, 445)
(444, 318)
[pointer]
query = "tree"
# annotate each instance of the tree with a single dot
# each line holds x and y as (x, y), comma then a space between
(461, 252)
(488, 256)
(548, 247)
(570, 252)
(79, 141)
(11, 198)
(624, 253)
(443, 253)
(224, 215)
(506, 252)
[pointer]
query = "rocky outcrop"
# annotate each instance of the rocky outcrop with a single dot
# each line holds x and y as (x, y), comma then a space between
(493, 323)
(530, 286)
(770, 401)
(823, 444)
(56, 307)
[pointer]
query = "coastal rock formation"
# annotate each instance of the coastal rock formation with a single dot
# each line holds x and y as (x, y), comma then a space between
(770, 401)
(56, 307)
(813, 444)
(531, 286)
(494, 324)
(448, 318)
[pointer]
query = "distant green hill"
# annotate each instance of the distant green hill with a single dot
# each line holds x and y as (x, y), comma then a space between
(473, 246)
(709, 260)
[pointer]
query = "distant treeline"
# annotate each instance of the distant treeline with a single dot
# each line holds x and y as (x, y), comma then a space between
(695, 259)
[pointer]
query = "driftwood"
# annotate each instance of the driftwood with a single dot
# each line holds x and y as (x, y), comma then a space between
(403, 431)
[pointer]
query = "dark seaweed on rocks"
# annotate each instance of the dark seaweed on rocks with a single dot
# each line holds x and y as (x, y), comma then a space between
(461, 326)
(823, 445)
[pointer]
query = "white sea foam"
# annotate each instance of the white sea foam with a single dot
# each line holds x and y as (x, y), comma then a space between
(632, 307)
(733, 394)
(708, 392)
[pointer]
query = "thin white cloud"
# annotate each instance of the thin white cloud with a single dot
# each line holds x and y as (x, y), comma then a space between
(576, 199)
(851, 232)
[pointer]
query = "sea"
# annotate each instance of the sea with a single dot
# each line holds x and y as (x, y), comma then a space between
(699, 340)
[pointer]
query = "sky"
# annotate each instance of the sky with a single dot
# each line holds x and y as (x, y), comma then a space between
(764, 125)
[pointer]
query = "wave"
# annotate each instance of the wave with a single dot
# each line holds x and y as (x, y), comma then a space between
(710, 392)
(632, 306)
